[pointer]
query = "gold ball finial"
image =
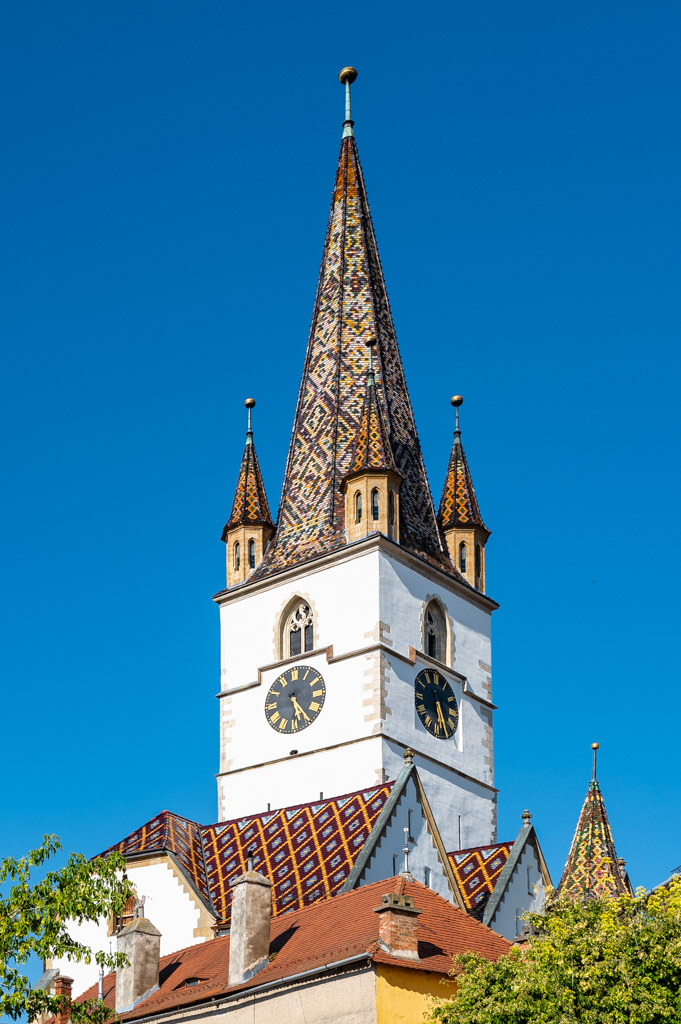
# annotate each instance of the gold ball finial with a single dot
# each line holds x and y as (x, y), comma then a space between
(249, 403)
(457, 400)
(347, 75)
(370, 342)
(595, 746)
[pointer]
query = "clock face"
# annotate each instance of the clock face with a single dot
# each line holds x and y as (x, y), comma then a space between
(436, 704)
(295, 699)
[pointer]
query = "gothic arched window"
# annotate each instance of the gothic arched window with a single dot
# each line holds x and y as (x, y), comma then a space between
(462, 556)
(478, 562)
(435, 632)
(298, 631)
(374, 504)
(251, 554)
(358, 507)
(237, 556)
(391, 508)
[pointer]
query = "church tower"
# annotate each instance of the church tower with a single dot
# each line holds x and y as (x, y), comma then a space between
(354, 636)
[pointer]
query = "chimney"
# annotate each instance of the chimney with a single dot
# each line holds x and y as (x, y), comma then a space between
(62, 987)
(249, 936)
(398, 926)
(141, 943)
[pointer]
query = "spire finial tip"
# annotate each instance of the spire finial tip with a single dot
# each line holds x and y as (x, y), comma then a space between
(347, 75)
(456, 400)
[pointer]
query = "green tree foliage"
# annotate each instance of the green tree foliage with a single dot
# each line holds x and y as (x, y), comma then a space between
(34, 917)
(597, 962)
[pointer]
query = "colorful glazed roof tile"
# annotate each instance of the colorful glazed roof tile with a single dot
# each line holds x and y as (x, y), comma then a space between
(459, 505)
(351, 305)
(477, 871)
(308, 851)
(372, 450)
(591, 870)
(309, 939)
(250, 501)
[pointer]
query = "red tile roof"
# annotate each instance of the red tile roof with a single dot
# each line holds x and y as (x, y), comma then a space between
(308, 850)
(477, 871)
(308, 939)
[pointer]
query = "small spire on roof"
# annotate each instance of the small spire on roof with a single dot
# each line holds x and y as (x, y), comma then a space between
(346, 77)
(595, 748)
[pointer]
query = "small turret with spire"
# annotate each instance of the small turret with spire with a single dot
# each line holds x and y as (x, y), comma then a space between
(372, 486)
(249, 528)
(592, 869)
(459, 516)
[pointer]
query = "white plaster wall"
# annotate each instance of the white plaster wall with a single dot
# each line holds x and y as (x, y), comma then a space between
(167, 905)
(464, 811)
(388, 857)
(351, 598)
(301, 779)
(523, 892)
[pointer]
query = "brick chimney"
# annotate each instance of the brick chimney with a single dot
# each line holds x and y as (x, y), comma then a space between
(62, 987)
(249, 936)
(398, 926)
(141, 943)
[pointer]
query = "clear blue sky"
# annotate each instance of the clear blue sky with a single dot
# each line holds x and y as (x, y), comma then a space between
(166, 183)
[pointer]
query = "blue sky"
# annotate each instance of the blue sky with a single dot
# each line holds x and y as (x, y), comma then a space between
(166, 183)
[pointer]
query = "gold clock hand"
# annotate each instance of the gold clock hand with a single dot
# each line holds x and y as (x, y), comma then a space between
(440, 715)
(299, 711)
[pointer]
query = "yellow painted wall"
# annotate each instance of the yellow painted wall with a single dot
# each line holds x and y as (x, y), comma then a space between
(405, 996)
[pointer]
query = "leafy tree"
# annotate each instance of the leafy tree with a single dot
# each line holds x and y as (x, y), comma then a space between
(608, 961)
(34, 917)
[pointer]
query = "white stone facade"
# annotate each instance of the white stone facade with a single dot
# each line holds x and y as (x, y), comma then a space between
(368, 602)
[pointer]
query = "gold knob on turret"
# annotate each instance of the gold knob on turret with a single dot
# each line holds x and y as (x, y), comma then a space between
(457, 400)
(249, 403)
(347, 75)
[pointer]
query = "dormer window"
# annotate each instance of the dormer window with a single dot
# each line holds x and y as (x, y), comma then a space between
(251, 554)
(298, 630)
(374, 504)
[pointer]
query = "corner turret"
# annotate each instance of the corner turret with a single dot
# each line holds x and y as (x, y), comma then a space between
(459, 516)
(249, 528)
(372, 487)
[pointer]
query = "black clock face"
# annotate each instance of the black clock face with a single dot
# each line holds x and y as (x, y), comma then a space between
(436, 704)
(295, 699)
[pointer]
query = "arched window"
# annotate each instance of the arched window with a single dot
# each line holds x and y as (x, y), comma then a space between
(435, 632)
(462, 556)
(237, 556)
(478, 561)
(374, 504)
(391, 508)
(251, 554)
(298, 632)
(358, 507)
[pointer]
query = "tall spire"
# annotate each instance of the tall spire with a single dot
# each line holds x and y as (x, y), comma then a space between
(250, 501)
(592, 869)
(351, 305)
(459, 505)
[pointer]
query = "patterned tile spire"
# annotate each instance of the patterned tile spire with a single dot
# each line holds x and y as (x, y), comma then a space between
(592, 870)
(459, 505)
(250, 501)
(372, 450)
(351, 305)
